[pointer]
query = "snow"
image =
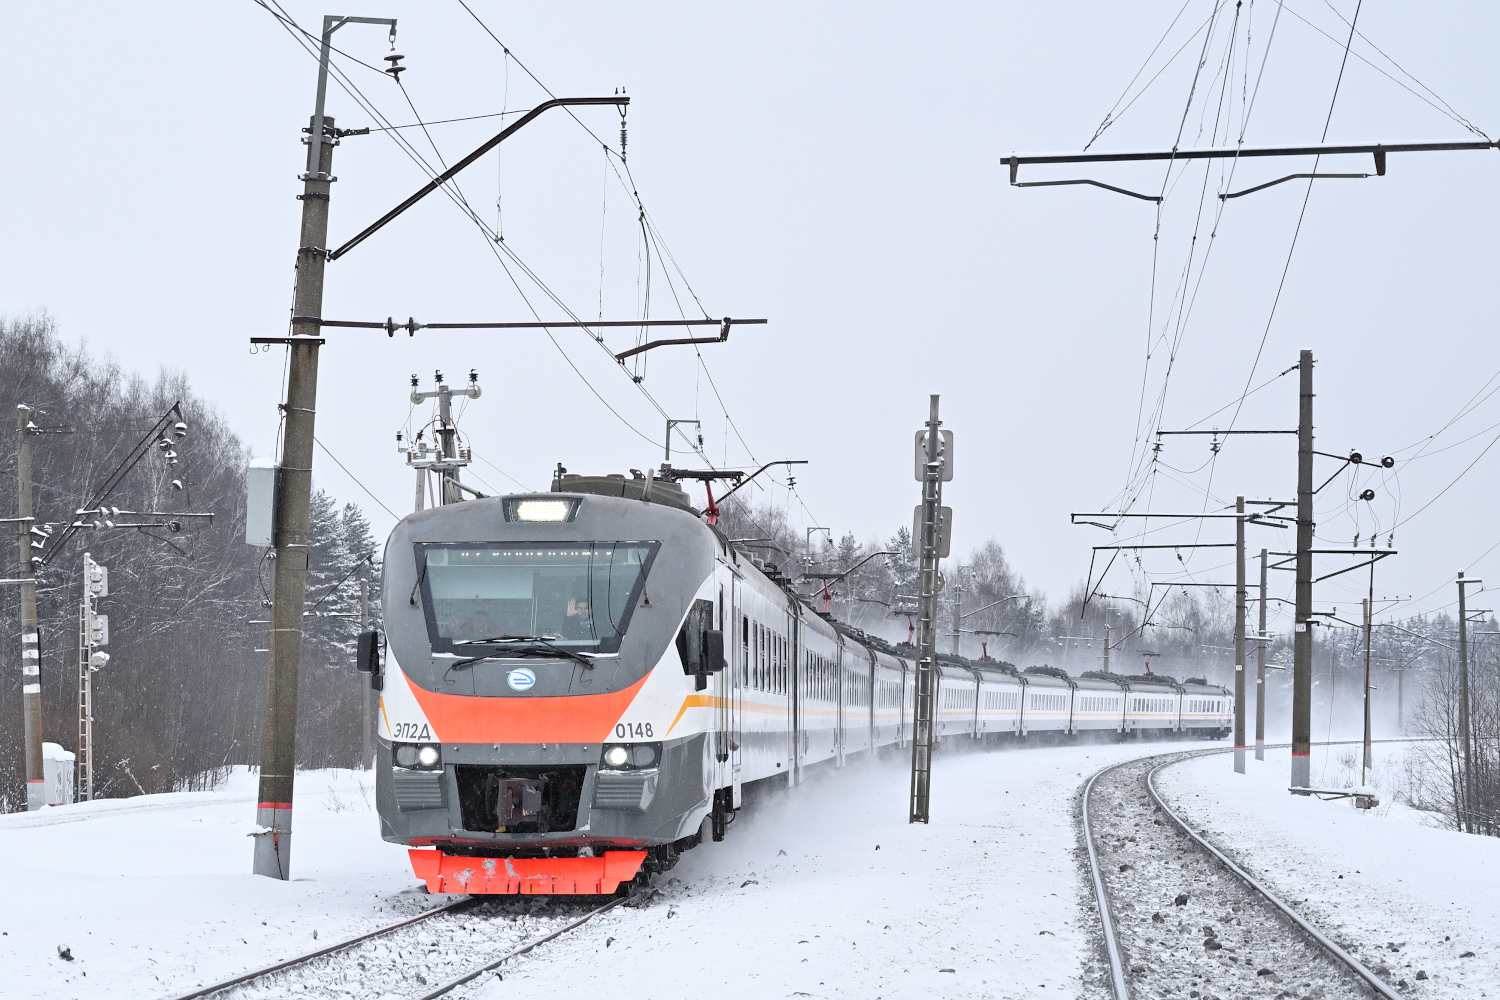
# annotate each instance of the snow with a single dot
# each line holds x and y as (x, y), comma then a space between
(1369, 880)
(153, 895)
(989, 900)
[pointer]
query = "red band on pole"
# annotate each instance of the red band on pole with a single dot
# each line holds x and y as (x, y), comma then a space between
(273, 805)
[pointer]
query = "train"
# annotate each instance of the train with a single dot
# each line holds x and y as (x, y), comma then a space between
(577, 686)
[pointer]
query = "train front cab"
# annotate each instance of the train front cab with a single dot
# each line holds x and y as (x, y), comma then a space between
(508, 768)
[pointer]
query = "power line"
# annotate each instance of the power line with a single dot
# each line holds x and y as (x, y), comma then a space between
(1445, 109)
(352, 476)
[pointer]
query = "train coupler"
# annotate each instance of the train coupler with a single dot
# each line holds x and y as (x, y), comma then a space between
(601, 876)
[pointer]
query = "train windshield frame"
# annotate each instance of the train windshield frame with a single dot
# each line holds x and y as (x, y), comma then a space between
(486, 597)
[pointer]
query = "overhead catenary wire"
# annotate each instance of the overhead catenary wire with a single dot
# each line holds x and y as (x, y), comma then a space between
(357, 482)
(651, 235)
(622, 170)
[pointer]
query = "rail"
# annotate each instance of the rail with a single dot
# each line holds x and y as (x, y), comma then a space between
(1111, 936)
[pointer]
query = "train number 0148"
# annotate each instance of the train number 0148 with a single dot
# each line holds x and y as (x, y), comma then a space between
(627, 730)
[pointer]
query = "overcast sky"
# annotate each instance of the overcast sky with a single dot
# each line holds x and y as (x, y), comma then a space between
(834, 168)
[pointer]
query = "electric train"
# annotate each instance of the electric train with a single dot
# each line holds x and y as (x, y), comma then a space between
(577, 686)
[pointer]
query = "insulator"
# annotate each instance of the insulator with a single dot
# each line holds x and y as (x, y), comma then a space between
(1367, 495)
(179, 430)
(395, 69)
(1356, 457)
(622, 140)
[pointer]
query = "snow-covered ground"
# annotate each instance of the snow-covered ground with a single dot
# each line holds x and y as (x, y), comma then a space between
(153, 896)
(829, 892)
(1419, 902)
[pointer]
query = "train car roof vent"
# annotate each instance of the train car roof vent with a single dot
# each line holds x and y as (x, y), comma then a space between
(1046, 671)
(1196, 680)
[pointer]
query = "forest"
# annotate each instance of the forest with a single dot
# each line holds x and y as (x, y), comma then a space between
(180, 699)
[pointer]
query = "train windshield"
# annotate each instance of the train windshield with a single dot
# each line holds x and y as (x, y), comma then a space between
(483, 597)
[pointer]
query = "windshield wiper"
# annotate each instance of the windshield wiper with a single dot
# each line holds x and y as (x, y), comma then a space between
(544, 640)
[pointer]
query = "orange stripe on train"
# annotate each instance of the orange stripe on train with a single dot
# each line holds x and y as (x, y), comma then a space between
(580, 718)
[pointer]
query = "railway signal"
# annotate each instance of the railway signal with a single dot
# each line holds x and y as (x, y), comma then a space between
(93, 632)
(931, 537)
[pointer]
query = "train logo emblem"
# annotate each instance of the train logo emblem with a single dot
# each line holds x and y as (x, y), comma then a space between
(520, 679)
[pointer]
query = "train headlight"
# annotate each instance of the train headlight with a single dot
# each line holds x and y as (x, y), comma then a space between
(420, 756)
(616, 756)
(541, 510)
(643, 754)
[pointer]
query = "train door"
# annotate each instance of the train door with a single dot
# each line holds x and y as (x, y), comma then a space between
(799, 654)
(901, 708)
(840, 697)
(789, 692)
(732, 708)
(974, 717)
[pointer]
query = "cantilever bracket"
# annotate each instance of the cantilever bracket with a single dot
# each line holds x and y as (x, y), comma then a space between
(725, 324)
(1290, 177)
(1015, 166)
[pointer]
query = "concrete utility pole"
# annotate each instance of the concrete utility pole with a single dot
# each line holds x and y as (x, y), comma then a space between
(935, 466)
(367, 727)
(958, 615)
(31, 674)
(1239, 636)
(1260, 668)
(1302, 625)
(1466, 817)
(278, 751)
(1400, 699)
(1367, 761)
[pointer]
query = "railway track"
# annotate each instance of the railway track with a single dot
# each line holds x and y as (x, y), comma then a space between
(422, 957)
(1181, 918)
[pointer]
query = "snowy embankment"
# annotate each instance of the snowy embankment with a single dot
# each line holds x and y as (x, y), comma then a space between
(153, 896)
(1417, 904)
